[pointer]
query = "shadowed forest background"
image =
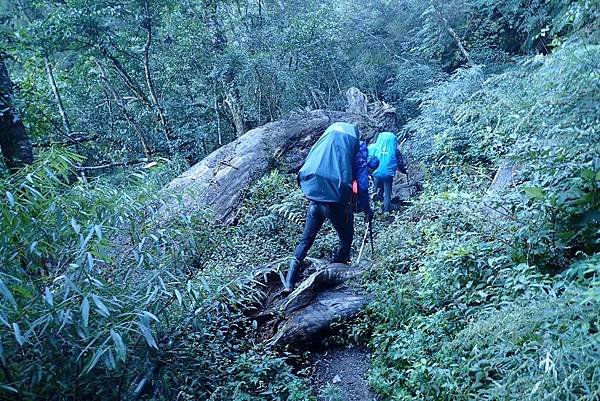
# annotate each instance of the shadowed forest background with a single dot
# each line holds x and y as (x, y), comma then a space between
(485, 282)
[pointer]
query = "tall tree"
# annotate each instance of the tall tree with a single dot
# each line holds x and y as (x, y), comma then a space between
(14, 140)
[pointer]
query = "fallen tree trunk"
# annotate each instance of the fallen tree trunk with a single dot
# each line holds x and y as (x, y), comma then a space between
(308, 325)
(220, 180)
(321, 298)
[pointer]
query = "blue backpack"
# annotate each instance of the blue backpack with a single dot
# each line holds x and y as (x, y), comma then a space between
(362, 163)
(327, 173)
(385, 150)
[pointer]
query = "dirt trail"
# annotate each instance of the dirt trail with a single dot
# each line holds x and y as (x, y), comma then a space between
(340, 374)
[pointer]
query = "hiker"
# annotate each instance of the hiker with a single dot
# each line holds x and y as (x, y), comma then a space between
(386, 150)
(326, 179)
(364, 165)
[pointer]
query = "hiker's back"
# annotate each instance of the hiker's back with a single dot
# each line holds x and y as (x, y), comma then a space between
(326, 175)
(385, 150)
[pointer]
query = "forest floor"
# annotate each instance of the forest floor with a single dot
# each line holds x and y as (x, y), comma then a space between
(341, 374)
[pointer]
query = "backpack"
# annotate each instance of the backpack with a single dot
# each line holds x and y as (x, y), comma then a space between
(327, 173)
(385, 150)
(361, 169)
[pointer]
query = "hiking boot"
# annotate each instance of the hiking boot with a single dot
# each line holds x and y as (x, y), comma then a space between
(292, 276)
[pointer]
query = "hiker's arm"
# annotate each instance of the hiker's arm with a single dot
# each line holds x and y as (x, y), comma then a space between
(400, 160)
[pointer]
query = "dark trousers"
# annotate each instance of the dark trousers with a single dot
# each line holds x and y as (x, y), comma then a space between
(341, 217)
(384, 190)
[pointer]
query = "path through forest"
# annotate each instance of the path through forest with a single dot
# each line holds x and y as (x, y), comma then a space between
(341, 374)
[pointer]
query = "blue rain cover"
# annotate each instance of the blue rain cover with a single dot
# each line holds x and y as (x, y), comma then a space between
(385, 150)
(326, 175)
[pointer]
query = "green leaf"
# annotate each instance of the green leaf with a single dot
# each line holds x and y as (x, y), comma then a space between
(588, 174)
(20, 339)
(119, 345)
(85, 311)
(76, 227)
(102, 309)
(8, 388)
(147, 333)
(179, 298)
(97, 355)
(48, 296)
(534, 192)
(4, 321)
(151, 315)
(11, 198)
(7, 294)
(90, 261)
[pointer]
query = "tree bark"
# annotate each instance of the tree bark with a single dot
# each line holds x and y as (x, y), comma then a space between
(234, 104)
(221, 179)
(15, 144)
(232, 96)
(321, 298)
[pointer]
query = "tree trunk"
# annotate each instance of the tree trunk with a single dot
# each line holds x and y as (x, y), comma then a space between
(321, 298)
(219, 42)
(57, 98)
(452, 32)
(220, 180)
(233, 102)
(147, 25)
(15, 144)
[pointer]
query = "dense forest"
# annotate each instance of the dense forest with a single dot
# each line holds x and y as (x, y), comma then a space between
(484, 281)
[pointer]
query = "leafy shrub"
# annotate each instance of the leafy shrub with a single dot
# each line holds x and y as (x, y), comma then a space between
(492, 294)
(99, 301)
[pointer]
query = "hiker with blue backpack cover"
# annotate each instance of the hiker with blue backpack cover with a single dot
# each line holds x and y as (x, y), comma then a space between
(326, 180)
(386, 150)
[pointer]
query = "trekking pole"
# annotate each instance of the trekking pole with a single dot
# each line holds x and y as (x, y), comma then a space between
(362, 245)
(370, 228)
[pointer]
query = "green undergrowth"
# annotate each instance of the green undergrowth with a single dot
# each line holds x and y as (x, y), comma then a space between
(493, 294)
(101, 302)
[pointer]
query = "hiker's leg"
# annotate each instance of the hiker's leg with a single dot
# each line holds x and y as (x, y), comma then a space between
(378, 188)
(342, 219)
(387, 193)
(315, 216)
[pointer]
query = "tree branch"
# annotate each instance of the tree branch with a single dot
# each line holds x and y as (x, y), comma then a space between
(126, 112)
(107, 164)
(73, 140)
(452, 32)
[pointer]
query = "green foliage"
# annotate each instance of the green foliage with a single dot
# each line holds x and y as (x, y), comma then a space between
(93, 292)
(492, 293)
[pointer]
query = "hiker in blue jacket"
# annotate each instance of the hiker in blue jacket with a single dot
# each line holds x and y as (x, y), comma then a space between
(326, 179)
(386, 150)
(364, 165)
